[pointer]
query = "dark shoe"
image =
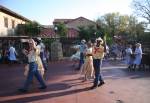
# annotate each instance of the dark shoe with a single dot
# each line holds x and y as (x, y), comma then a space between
(22, 90)
(44, 87)
(129, 67)
(77, 68)
(93, 87)
(101, 83)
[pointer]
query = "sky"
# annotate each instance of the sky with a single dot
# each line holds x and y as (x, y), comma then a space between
(45, 11)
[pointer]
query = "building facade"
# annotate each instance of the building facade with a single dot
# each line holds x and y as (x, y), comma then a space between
(9, 21)
(73, 24)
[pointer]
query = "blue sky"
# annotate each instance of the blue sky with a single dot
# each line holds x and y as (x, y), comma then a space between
(45, 11)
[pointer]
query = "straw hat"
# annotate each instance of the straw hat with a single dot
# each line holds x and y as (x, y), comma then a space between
(100, 40)
(138, 44)
(38, 38)
(83, 41)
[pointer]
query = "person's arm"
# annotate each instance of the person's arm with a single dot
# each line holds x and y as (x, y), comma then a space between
(25, 52)
(34, 44)
(15, 51)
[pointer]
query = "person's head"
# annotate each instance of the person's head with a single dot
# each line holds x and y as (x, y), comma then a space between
(99, 41)
(83, 41)
(32, 43)
(129, 46)
(138, 45)
(38, 40)
(89, 44)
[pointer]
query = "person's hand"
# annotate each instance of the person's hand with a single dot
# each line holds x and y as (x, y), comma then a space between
(24, 51)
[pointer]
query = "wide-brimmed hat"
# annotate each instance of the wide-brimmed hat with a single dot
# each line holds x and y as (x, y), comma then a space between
(138, 44)
(100, 39)
(83, 41)
(38, 38)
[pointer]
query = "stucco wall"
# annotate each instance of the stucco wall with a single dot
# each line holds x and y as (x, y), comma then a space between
(4, 31)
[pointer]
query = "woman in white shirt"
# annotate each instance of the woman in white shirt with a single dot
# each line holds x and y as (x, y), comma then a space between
(12, 54)
(138, 55)
(128, 58)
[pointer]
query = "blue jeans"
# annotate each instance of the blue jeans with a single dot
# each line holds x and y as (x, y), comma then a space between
(81, 60)
(33, 71)
(97, 63)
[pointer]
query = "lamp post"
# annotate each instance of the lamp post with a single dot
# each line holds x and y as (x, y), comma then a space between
(55, 29)
(38, 27)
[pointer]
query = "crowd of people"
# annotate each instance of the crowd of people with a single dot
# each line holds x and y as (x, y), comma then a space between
(9, 54)
(37, 60)
(89, 57)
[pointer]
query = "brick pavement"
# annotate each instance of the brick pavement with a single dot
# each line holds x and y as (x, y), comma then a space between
(65, 85)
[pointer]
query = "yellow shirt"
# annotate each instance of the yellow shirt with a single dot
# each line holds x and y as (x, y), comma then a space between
(98, 52)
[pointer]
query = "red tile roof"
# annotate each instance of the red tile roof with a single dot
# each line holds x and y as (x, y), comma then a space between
(47, 32)
(12, 13)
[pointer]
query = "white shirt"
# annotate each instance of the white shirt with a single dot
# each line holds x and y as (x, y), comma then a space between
(42, 47)
(12, 53)
(32, 56)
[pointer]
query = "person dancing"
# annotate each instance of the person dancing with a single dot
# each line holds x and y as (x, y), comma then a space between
(98, 55)
(33, 68)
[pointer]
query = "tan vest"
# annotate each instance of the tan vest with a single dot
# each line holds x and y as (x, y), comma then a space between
(98, 52)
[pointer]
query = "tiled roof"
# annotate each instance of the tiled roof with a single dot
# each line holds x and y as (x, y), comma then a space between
(47, 32)
(69, 20)
(12, 13)
(62, 20)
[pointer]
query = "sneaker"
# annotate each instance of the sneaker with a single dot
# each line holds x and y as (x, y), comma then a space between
(43, 87)
(77, 69)
(22, 90)
(101, 83)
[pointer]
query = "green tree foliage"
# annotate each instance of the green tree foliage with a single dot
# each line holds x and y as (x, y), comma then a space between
(61, 29)
(28, 29)
(87, 33)
(114, 24)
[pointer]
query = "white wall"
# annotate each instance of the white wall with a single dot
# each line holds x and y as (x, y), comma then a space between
(4, 31)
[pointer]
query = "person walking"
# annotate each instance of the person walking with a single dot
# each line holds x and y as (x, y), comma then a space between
(12, 54)
(138, 55)
(33, 68)
(129, 56)
(98, 55)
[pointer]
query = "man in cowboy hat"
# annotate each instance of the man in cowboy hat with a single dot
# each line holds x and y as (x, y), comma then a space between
(98, 55)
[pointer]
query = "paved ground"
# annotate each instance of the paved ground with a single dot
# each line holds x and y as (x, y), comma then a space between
(65, 85)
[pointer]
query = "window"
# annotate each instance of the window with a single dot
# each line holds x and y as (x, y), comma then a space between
(13, 23)
(5, 22)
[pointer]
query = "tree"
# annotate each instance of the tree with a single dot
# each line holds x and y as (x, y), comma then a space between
(83, 33)
(28, 29)
(61, 30)
(114, 24)
(142, 8)
(87, 33)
